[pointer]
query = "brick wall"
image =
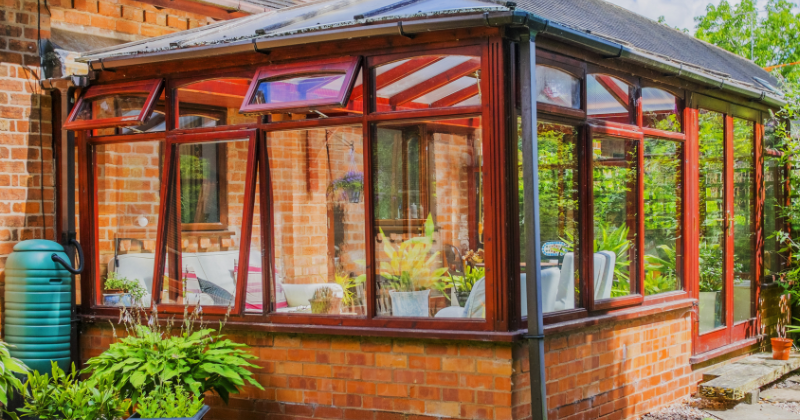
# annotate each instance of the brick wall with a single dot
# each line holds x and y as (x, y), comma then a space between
(362, 378)
(614, 371)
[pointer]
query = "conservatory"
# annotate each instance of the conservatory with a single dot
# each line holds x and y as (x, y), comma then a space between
(427, 174)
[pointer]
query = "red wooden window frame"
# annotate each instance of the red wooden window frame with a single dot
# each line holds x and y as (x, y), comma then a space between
(171, 204)
(636, 296)
(151, 87)
(343, 65)
(731, 332)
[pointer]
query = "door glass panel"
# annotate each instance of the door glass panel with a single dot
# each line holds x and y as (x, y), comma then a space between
(616, 227)
(558, 218)
(744, 248)
(319, 218)
(202, 267)
(428, 224)
(712, 220)
(662, 205)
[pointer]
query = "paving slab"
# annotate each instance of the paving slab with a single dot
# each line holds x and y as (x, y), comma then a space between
(754, 412)
(734, 380)
(790, 394)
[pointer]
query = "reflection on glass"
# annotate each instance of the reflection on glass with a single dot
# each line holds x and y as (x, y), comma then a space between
(744, 189)
(437, 81)
(774, 194)
(128, 184)
(608, 98)
(558, 217)
(202, 267)
(615, 191)
(302, 88)
(212, 103)
(556, 87)
(660, 110)
(662, 225)
(712, 220)
(255, 277)
(429, 219)
(112, 106)
(318, 208)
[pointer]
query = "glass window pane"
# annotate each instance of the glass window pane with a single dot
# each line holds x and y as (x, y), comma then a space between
(128, 202)
(660, 110)
(615, 178)
(558, 217)
(662, 205)
(772, 133)
(212, 103)
(556, 87)
(303, 88)
(254, 303)
(319, 216)
(210, 192)
(429, 219)
(774, 194)
(608, 98)
(435, 81)
(112, 106)
(744, 193)
(712, 220)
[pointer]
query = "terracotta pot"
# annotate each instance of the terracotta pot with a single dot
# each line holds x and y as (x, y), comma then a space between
(781, 348)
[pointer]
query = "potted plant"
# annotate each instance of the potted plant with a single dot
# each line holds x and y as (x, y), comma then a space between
(119, 291)
(169, 401)
(460, 287)
(349, 287)
(325, 302)
(409, 273)
(710, 286)
(351, 185)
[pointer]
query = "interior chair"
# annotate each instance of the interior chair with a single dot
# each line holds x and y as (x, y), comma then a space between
(604, 262)
(474, 308)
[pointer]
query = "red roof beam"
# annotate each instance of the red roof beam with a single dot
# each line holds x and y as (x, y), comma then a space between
(457, 97)
(435, 82)
(395, 74)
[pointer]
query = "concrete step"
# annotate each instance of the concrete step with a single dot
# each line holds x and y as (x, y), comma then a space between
(754, 412)
(735, 380)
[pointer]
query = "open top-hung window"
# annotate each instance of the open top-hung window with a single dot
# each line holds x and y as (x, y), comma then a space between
(307, 87)
(119, 105)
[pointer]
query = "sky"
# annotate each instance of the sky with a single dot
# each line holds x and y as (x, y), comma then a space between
(678, 13)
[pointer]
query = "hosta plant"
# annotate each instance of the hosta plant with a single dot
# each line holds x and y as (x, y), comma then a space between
(152, 355)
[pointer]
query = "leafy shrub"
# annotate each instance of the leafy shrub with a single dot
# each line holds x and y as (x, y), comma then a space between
(63, 397)
(132, 287)
(169, 401)
(8, 367)
(151, 356)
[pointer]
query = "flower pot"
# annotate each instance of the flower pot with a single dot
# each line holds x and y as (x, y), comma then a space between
(353, 196)
(781, 348)
(200, 414)
(332, 306)
(709, 308)
(117, 299)
(410, 304)
(462, 298)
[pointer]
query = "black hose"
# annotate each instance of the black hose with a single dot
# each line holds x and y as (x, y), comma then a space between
(67, 265)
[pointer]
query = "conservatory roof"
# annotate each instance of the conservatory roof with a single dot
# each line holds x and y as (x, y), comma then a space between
(592, 23)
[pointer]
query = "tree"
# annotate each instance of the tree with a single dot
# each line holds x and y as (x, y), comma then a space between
(767, 38)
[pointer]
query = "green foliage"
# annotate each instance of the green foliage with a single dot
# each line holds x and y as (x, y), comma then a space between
(349, 285)
(740, 29)
(711, 275)
(661, 274)
(8, 367)
(152, 356)
(463, 283)
(616, 240)
(411, 266)
(63, 397)
(132, 287)
(197, 171)
(169, 401)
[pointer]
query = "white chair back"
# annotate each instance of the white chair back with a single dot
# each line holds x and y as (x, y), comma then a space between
(603, 274)
(565, 297)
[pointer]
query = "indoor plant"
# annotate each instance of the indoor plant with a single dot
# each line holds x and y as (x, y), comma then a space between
(119, 291)
(409, 273)
(351, 184)
(349, 287)
(325, 302)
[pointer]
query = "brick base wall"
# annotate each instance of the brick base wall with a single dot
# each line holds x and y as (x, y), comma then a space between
(614, 371)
